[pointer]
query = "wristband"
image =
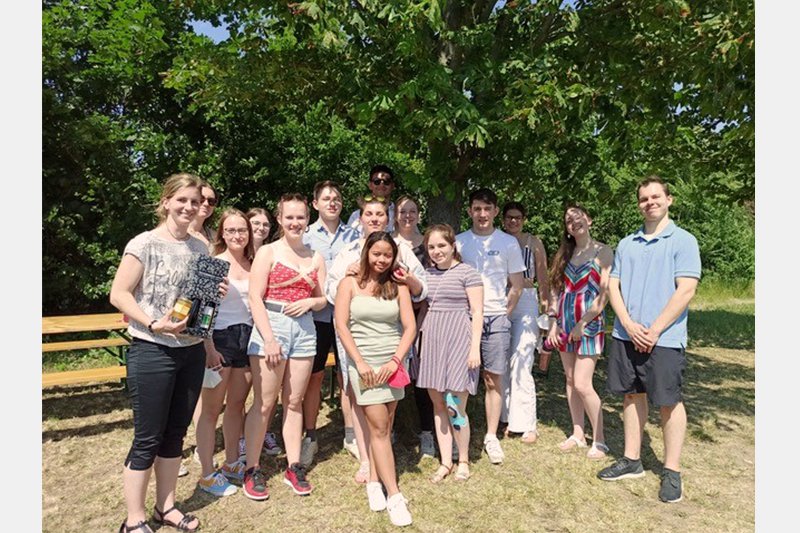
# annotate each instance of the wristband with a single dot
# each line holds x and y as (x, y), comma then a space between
(150, 326)
(396, 360)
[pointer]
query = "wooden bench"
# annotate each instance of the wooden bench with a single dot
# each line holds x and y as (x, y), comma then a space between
(115, 342)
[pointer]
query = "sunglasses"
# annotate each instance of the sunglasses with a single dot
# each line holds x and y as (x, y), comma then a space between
(370, 198)
(381, 181)
(210, 201)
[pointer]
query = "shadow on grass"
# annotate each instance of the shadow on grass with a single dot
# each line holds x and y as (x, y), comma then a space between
(722, 328)
(87, 400)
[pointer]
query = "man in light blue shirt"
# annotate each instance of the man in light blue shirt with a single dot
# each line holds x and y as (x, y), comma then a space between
(328, 236)
(654, 277)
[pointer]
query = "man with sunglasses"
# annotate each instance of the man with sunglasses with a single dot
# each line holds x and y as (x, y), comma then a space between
(381, 185)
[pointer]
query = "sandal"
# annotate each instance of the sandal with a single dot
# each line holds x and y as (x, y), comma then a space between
(442, 472)
(597, 451)
(529, 437)
(571, 443)
(362, 476)
(183, 525)
(462, 474)
(125, 528)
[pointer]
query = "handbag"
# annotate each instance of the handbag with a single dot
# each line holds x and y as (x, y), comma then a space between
(400, 378)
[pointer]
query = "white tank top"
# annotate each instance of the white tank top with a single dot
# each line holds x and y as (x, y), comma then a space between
(235, 308)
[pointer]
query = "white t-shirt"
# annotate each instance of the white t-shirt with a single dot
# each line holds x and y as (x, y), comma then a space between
(494, 256)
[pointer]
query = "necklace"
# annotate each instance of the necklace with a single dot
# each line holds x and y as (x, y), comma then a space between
(175, 236)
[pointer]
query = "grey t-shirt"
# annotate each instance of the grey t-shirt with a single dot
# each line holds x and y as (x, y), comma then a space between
(165, 266)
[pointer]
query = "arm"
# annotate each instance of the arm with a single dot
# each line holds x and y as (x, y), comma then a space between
(409, 334)
(677, 304)
(415, 279)
(128, 276)
(341, 318)
(259, 272)
(636, 331)
(336, 274)
(604, 258)
(515, 282)
(475, 297)
(317, 300)
(540, 264)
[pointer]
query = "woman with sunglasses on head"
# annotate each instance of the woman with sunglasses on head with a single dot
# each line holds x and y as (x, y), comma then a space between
(285, 286)
(164, 368)
(519, 390)
(263, 225)
(406, 230)
(200, 226)
(371, 309)
(450, 345)
(579, 278)
(227, 354)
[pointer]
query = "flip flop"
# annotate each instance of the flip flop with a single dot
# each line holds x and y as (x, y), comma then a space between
(571, 443)
(597, 451)
(462, 474)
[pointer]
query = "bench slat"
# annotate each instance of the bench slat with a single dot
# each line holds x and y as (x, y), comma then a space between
(84, 345)
(72, 377)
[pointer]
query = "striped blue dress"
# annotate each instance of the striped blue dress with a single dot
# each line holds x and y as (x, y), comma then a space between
(446, 331)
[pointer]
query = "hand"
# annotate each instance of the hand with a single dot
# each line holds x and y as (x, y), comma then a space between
(298, 308)
(400, 275)
(213, 359)
(474, 359)
(652, 335)
(639, 336)
(552, 335)
(272, 353)
(166, 326)
(385, 372)
(367, 375)
(577, 332)
(223, 287)
(353, 268)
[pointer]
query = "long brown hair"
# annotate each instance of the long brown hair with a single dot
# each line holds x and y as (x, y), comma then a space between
(565, 250)
(219, 245)
(387, 287)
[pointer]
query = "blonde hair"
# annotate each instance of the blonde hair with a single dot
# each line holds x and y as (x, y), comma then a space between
(173, 184)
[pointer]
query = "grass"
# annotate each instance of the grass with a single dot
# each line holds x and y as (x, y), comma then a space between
(86, 432)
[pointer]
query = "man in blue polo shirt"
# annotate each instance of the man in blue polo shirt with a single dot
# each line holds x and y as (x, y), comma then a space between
(654, 277)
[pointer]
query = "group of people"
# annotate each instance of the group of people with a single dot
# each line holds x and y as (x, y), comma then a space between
(429, 312)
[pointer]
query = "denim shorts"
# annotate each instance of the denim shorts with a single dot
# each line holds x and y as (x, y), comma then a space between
(495, 344)
(296, 335)
(232, 343)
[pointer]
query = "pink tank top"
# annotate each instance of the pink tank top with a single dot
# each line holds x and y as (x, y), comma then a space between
(286, 284)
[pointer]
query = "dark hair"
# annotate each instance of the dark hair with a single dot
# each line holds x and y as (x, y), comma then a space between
(514, 205)
(564, 252)
(326, 184)
(483, 195)
(387, 287)
(219, 245)
(381, 168)
(273, 225)
(649, 180)
(447, 233)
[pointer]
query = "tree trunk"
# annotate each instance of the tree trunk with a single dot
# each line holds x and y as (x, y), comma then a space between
(443, 210)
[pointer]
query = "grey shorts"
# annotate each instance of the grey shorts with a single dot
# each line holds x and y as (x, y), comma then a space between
(297, 336)
(495, 344)
(659, 374)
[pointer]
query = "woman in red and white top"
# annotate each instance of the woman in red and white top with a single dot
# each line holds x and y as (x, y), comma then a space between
(285, 285)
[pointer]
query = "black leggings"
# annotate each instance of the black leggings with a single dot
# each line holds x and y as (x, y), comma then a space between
(163, 386)
(424, 408)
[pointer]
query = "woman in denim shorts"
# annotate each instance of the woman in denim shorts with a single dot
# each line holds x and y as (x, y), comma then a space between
(285, 285)
(227, 354)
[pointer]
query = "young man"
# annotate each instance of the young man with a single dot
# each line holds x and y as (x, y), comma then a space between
(328, 236)
(496, 255)
(381, 185)
(654, 277)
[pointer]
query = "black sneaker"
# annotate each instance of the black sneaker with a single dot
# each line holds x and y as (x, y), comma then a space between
(622, 469)
(671, 486)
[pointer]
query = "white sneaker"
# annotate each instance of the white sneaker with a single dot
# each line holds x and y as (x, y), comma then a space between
(426, 446)
(184, 470)
(377, 499)
(493, 449)
(308, 448)
(196, 457)
(398, 511)
(352, 448)
(271, 444)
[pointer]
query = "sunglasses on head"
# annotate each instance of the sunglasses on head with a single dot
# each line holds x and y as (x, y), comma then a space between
(381, 181)
(370, 198)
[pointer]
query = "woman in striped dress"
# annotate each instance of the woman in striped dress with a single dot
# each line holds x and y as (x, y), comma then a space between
(579, 292)
(449, 350)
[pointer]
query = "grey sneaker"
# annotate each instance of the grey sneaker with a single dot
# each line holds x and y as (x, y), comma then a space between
(271, 444)
(308, 449)
(426, 446)
(671, 486)
(493, 450)
(623, 468)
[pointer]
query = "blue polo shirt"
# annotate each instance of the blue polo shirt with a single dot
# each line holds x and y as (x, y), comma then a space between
(328, 245)
(647, 270)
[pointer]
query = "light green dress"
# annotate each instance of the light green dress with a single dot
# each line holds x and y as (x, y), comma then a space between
(375, 326)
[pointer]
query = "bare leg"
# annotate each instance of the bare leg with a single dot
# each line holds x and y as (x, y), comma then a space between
(360, 426)
(166, 479)
(312, 400)
(493, 401)
(233, 419)
(582, 383)
(205, 431)
(344, 399)
(673, 424)
(574, 401)
(134, 487)
(266, 383)
(462, 435)
(295, 381)
(441, 423)
(379, 419)
(634, 416)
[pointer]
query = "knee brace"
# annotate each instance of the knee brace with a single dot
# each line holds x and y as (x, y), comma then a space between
(457, 418)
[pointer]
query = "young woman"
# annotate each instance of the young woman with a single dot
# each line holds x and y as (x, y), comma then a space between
(579, 292)
(227, 353)
(263, 225)
(285, 285)
(450, 344)
(519, 390)
(406, 230)
(200, 226)
(164, 368)
(369, 312)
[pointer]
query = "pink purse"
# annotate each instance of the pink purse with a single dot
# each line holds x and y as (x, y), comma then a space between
(400, 378)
